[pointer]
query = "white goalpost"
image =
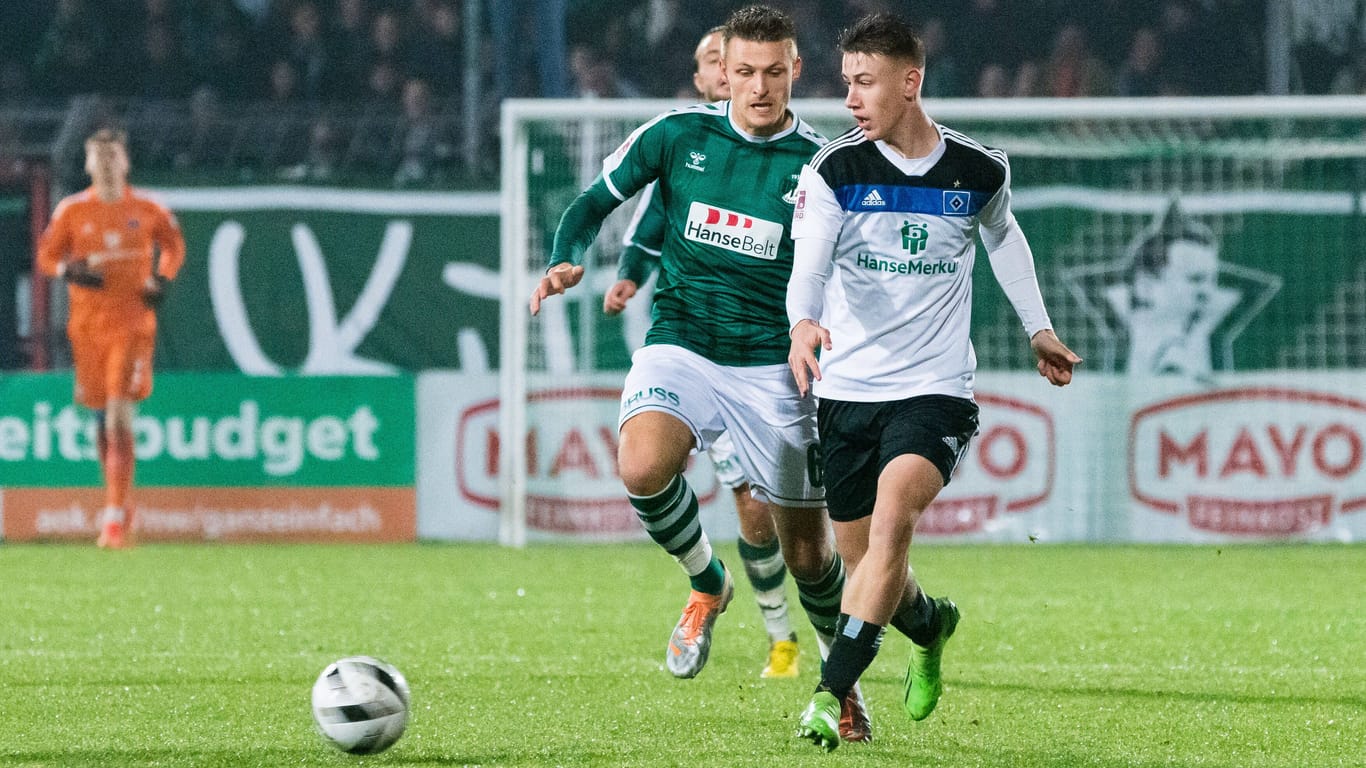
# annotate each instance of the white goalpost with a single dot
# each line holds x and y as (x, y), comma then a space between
(1272, 178)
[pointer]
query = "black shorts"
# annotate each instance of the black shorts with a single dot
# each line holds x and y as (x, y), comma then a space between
(859, 439)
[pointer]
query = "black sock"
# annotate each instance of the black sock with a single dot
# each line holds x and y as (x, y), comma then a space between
(856, 644)
(919, 622)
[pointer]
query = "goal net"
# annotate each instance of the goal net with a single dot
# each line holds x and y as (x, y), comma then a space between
(1265, 195)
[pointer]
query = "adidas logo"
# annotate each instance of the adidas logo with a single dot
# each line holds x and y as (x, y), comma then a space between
(873, 200)
(951, 442)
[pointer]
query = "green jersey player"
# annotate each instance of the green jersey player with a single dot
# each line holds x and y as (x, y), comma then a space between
(715, 356)
(760, 553)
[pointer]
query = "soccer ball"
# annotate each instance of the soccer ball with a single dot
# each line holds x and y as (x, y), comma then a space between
(361, 704)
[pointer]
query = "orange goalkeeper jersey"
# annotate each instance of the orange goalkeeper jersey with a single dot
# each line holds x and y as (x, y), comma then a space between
(124, 241)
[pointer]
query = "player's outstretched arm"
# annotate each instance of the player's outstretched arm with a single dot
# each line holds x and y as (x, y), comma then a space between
(557, 280)
(578, 229)
(1055, 359)
(802, 358)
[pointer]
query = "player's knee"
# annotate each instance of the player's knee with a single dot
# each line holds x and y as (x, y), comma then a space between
(807, 560)
(644, 474)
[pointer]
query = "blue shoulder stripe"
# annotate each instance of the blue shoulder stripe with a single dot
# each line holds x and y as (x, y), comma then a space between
(885, 198)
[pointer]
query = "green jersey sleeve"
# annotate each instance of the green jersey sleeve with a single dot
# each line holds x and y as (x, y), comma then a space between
(626, 171)
(644, 238)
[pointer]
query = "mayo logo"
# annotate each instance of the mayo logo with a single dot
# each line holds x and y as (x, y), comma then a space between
(571, 450)
(733, 231)
(1009, 468)
(1251, 461)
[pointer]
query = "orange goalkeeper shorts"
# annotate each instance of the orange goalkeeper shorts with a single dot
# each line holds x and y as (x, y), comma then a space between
(115, 366)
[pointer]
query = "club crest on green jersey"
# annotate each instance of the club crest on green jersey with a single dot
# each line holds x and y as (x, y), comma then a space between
(790, 189)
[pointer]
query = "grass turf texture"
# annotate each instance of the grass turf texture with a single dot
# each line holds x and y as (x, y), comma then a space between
(1066, 656)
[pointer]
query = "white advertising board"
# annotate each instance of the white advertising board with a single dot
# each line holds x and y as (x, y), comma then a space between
(1241, 457)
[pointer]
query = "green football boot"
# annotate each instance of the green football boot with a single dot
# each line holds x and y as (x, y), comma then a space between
(923, 685)
(820, 721)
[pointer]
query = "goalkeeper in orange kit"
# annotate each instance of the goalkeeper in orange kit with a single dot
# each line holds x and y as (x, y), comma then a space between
(117, 250)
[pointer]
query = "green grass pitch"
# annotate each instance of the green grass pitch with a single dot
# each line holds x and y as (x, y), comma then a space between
(553, 656)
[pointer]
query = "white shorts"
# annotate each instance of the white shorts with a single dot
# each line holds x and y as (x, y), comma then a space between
(773, 429)
(728, 471)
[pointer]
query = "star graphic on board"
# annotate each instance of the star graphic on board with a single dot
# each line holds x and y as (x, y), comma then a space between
(1171, 299)
(957, 183)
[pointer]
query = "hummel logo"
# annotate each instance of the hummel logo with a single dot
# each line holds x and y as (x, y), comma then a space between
(696, 161)
(873, 200)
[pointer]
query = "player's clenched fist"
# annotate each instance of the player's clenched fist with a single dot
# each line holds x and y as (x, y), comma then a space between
(616, 298)
(558, 279)
(1055, 359)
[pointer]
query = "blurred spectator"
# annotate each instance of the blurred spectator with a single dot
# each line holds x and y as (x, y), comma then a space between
(1029, 80)
(942, 78)
(227, 65)
(348, 36)
(322, 159)
(1351, 79)
(1184, 59)
(1325, 34)
(206, 142)
(382, 85)
(595, 74)
(73, 47)
(161, 71)
(1139, 75)
(529, 32)
(978, 21)
(385, 54)
(1072, 69)
(282, 87)
(654, 42)
(306, 50)
(993, 82)
(425, 144)
(438, 48)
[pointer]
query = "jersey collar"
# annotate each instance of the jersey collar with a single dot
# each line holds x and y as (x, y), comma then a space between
(791, 129)
(914, 166)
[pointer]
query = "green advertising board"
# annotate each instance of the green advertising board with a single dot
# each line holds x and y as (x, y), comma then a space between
(326, 281)
(219, 430)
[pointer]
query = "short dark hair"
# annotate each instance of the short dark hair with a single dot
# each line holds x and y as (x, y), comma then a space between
(759, 24)
(883, 34)
(1151, 254)
(719, 29)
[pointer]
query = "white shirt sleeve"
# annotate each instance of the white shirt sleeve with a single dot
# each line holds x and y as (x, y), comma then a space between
(816, 223)
(818, 213)
(812, 262)
(1012, 261)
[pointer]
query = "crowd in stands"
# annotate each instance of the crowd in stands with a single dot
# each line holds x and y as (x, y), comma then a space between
(407, 58)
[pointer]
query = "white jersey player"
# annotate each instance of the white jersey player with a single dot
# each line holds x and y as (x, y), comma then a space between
(885, 226)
